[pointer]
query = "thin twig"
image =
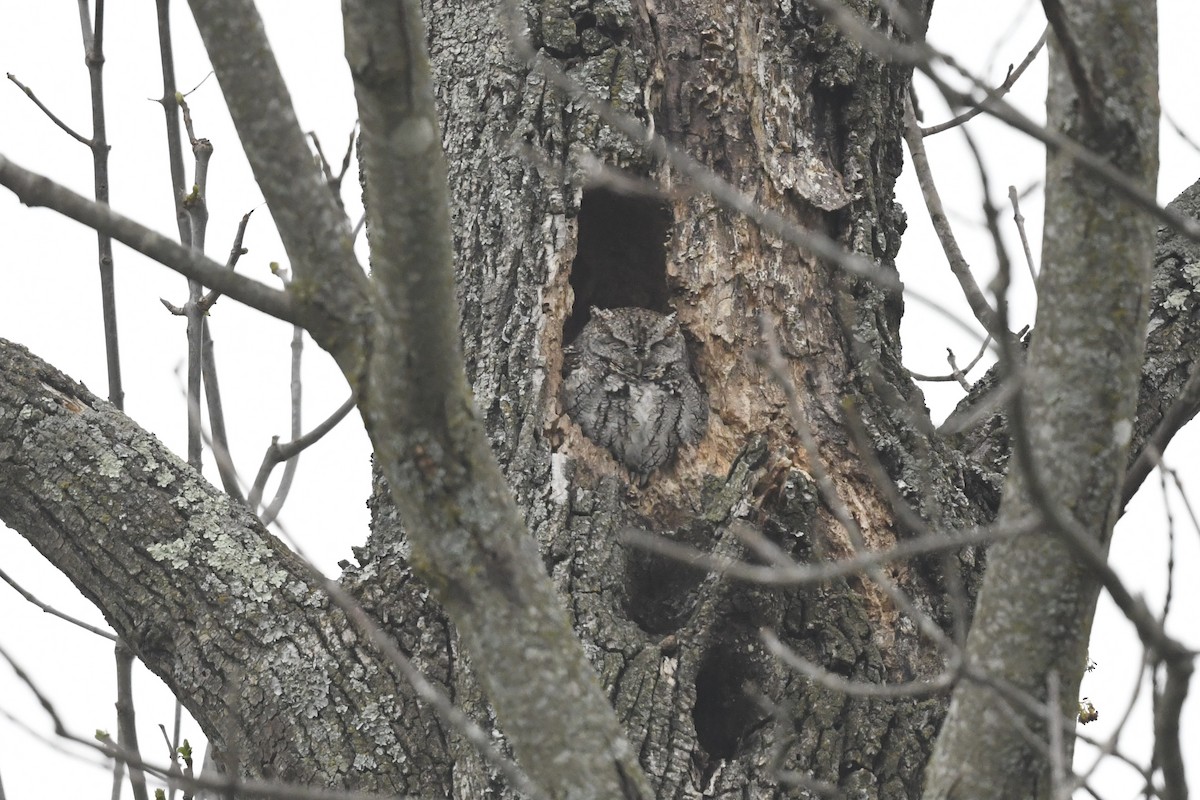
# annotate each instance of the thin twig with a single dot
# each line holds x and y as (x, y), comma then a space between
(1010, 80)
(236, 251)
(1169, 590)
(67, 129)
(172, 754)
(821, 572)
(956, 374)
(297, 389)
(1019, 219)
(93, 43)
(30, 597)
(938, 684)
(1058, 763)
(277, 453)
(216, 415)
(195, 206)
(1168, 715)
(170, 106)
(127, 719)
(1179, 131)
(335, 181)
(941, 225)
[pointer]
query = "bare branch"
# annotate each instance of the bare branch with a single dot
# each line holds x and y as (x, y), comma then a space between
(1019, 219)
(126, 719)
(36, 190)
(67, 129)
(941, 225)
(93, 43)
(1058, 761)
(195, 206)
(794, 574)
(170, 106)
(49, 609)
(1010, 80)
(1167, 717)
(212, 386)
(1073, 57)
(941, 682)
(278, 453)
(216, 415)
(956, 374)
(297, 389)
(314, 230)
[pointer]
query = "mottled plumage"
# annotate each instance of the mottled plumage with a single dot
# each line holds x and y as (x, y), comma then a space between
(629, 386)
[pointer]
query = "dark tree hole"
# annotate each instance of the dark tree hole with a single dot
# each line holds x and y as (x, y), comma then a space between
(660, 592)
(725, 713)
(621, 258)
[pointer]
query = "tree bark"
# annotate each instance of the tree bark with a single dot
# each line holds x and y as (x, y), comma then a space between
(231, 620)
(786, 108)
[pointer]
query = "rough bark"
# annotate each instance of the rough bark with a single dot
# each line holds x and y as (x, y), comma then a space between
(466, 537)
(227, 616)
(784, 106)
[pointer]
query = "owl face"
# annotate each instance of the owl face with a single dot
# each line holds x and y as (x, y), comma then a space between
(638, 344)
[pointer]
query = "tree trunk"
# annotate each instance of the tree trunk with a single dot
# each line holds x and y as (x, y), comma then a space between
(804, 121)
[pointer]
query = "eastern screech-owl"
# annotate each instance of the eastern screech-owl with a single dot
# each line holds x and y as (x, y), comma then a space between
(629, 386)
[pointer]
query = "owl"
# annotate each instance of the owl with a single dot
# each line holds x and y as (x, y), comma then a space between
(629, 386)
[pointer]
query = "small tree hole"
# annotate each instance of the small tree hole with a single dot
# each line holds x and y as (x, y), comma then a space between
(725, 712)
(661, 592)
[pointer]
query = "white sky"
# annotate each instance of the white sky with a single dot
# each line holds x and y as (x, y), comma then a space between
(49, 302)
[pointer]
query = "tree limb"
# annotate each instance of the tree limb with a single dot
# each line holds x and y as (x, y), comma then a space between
(468, 539)
(35, 190)
(314, 230)
(231, 620)
(1071, 422)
